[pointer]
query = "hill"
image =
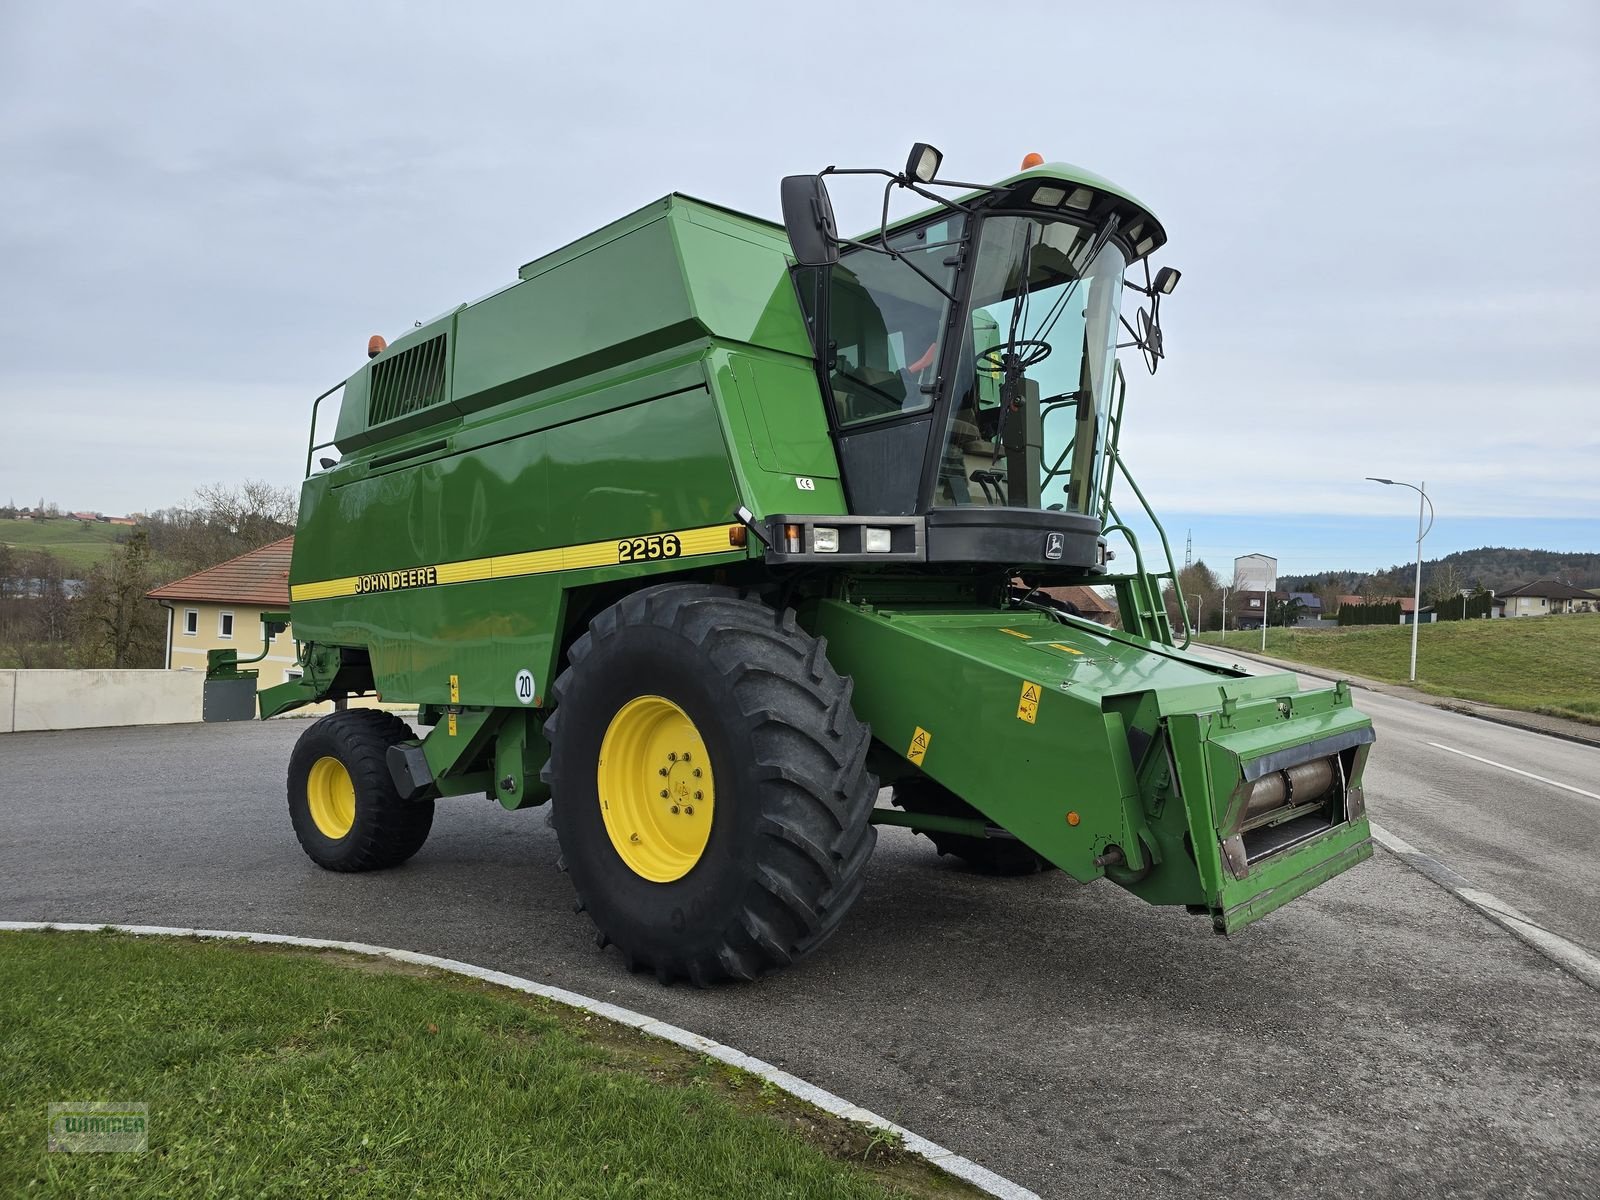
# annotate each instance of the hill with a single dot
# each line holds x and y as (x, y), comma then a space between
(77, 544)
(1493, 567)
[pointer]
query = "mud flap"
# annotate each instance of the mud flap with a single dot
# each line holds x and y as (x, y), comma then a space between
(229, 700)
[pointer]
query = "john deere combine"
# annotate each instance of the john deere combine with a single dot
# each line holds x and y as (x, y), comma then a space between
(705, 528)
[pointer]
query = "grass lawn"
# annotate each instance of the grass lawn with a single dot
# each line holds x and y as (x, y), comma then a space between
(1537, 664)
(78, 547)
(271, 1071)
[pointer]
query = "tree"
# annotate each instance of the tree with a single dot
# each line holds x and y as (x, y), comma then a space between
(1444, 584)
(1196, 580)
(34, 610)
(1286, 612)
(220, 522)
(117, 625)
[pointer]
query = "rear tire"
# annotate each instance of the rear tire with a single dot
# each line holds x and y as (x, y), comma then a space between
(669, 672)
(986, 856)
(342, 799)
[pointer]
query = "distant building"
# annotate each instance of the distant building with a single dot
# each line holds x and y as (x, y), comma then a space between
(1089, 603)
(1547, 597)
(1254, 576)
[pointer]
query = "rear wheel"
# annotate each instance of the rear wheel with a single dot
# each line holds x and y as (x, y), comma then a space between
(710, 789)
(987, 856)
(342, 800)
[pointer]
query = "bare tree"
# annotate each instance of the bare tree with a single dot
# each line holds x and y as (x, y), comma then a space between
(117, 625)
(221, 521)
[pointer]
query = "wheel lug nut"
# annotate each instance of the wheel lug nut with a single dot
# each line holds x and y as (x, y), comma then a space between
(697, 772)
(699, 796)
(662, 771)
(663, 793)
(688, 810)
(685, 756)
(674, 809)
(672, 757)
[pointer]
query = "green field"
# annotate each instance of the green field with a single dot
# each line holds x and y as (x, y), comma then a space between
(1537, 664)
(271, 1071)
(68, 540)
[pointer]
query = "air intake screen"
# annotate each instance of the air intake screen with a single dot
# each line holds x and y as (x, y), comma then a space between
(407, 382)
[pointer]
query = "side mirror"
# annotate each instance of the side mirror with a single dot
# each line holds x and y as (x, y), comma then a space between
(808, 220)
(1166, 279)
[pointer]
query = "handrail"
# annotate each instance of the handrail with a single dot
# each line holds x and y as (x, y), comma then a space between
(312, 445)
(1166, 548)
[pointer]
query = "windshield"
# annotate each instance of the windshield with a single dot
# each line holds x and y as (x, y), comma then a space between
(1029, 424)
(886, 324)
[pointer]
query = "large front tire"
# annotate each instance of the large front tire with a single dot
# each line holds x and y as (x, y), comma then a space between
(710, 789)
(346, 811)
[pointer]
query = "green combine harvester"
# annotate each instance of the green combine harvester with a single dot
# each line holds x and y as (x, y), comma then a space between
(706, 529)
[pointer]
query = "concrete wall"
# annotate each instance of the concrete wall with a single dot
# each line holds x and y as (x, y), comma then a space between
(89, 699)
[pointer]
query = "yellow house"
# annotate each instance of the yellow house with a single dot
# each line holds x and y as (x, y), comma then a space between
(222, 606)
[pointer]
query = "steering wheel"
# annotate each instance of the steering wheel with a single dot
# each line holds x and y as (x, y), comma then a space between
(1025, 352)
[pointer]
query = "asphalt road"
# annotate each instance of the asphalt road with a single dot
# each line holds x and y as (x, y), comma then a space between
(1374, 1038)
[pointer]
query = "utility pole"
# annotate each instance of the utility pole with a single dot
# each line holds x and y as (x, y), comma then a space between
(1188, 551)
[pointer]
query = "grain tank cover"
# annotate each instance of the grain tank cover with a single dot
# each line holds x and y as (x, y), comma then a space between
(676, 273)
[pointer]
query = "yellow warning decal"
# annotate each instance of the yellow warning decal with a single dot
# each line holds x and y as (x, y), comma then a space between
(455, 689)
(452, 724)
(684, 543)
(1067, 649)
(1028, 706)
(919, 745)
(1027, 637)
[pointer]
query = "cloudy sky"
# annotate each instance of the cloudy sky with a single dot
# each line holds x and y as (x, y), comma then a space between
(1385, 214)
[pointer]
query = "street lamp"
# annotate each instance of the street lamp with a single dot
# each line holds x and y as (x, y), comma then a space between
(1416, 602)
(1197, 609)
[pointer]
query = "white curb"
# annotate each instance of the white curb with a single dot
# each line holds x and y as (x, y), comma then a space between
(946, 1160)
(1567, 955)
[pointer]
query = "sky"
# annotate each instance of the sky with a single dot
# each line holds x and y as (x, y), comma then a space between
(1384, 213)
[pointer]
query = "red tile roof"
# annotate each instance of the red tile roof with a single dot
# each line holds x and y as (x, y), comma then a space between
(260, 577)
(1087, 601)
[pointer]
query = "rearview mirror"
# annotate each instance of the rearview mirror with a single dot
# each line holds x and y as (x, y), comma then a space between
(808, 220)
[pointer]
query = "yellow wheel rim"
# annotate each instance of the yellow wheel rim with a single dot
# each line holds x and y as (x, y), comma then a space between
(333, 797)
(656, 791)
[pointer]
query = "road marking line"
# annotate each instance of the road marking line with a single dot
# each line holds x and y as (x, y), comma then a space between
(1566, 787)
(1567, 955)
(982, 1178)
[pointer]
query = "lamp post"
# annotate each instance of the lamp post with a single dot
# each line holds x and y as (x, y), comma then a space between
(1198, 606)
(1416, 602)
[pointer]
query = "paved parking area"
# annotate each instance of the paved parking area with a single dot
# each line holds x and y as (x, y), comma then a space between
(1374, 1038)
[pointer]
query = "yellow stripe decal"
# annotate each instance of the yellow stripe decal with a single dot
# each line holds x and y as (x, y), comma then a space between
(655, 547)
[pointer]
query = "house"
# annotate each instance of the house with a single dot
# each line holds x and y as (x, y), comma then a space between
(1544, 597)
(1245, 607)
(222, 606)
(1089, 603)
